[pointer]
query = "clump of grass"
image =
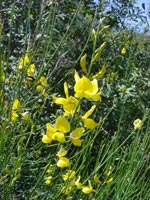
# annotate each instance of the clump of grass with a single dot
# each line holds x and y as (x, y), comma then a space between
(54, 143)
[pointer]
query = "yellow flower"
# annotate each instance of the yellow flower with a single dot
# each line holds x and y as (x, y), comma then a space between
(25, 116)
(16, 105)
(43, 81)
(86, 88)
(70, 174)
(83, 63)
(109, 180)
(88, 122)
(123, 51)
(69, 103)
(48, 180)
(63, 162)
(96, 179)
(39, 88)
(87, 189)
(137, 124)
(108, 172)
(31, 70)
(14, 116)
(75, 136)
(100, 73)
(78, 184)
(99, 51)
(56, 132)
(62, 152)
(24, 61)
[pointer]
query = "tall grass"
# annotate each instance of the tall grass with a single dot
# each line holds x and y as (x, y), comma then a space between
(109, 160)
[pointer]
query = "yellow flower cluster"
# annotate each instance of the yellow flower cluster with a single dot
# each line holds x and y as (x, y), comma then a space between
(70, 127)
(15, 108)
(137, 124)
(71, 180)
(63, 129)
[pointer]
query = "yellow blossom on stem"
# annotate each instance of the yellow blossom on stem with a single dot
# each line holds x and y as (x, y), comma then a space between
(48, 180)
(62, 152)
(88, 122)
(96, 179)
(99, 51)
(43, 81)
(24, 61)
(39, 88)
(75, 136)
(70, 174)
(25, 116)
(14, 116)
(123, 51)
(87, 189)
(137, 124)
(16, 105)
(31, 70)
(57, 132)
(69, 103)
(83, 63)
(109, 180)
(63, 162)
(86, 88)
(78, 184)
(100, 73)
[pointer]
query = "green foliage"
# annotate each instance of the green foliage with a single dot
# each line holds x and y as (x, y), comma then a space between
(38, 56)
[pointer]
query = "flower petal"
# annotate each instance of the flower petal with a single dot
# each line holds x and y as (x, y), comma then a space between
(89, 123)
(63, 162)
(62, 124)
(89, 112)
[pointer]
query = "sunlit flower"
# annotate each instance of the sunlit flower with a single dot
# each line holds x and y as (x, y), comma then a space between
(109, 180)
(24, 61)
(76, 135)
(62, 152)
(70, 174)
(16, 105)
(42, 80)
(109, 172)
(83, 63)
(100, 73)
(78, 184)
(88, 122)
(87, 189)
(25, 116)
(137, 124)
(86, 88)
(69, 103)
(31, 70)
(63, 162)
(39, 88)
(123, 50)
(97, 180)
(57, 132)
(48, 180)
(14, 116)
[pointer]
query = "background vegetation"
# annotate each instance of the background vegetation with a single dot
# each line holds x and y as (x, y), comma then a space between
(54, 36)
